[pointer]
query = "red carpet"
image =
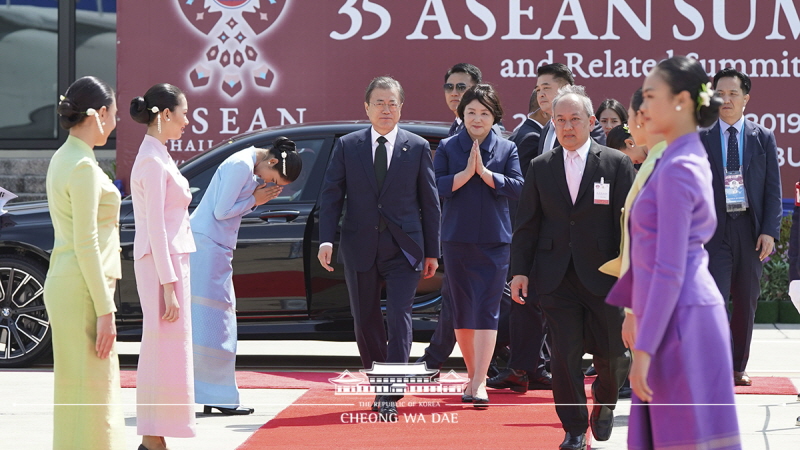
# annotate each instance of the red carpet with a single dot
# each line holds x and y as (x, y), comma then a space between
(309, 380)
(328, 421)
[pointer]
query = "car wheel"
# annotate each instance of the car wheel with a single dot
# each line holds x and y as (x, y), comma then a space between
(24, 324)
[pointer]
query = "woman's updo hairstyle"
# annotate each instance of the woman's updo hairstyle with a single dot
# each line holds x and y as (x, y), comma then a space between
(636, 100)
(617, 136)
(684, 74)
(84, 94)
(290, 164)
(161, 96)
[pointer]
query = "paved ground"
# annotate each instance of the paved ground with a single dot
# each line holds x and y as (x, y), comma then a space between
(766, 422)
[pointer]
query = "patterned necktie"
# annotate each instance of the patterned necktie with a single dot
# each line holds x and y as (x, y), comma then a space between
(380, 162)
(573, 174)
(733, 164)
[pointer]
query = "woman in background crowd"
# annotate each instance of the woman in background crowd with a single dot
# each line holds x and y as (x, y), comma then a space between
(84, 269)
(620, 139)
(477, 173)
(246, 179)
(161, 248)
(681, 327)
(611, 113)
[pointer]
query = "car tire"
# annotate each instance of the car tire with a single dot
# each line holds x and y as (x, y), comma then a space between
(24, 324)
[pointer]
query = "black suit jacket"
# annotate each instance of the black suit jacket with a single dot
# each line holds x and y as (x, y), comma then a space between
(527, 139)
(598, 134)
(762, 180)
(408, 201)
(550, 230)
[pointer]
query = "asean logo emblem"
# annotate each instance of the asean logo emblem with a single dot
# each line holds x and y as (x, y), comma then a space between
(232, 27)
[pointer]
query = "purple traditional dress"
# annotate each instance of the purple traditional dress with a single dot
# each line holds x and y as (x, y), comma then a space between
(681, 319)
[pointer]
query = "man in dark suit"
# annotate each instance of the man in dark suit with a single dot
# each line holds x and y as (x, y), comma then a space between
(741, 150)
(567, 226)
(390, 230)
(549, 79)
(527, 325)
(457, 80)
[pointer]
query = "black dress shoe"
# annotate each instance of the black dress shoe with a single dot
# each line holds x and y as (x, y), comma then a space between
(602, 421)
(376, 405)
(480, 403)
(591, 371)
(238, 411)
(543, 382)
(388, 411)
(466, 398)
(511, 380)
(573, 442)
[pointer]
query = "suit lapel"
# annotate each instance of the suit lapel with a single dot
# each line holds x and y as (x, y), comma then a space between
(715, 150)
(592, 163)
(559, 173)
(747, 147)
(365, 155)
(400, 145)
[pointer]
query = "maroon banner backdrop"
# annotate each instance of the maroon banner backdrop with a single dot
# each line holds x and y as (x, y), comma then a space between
(250, 64)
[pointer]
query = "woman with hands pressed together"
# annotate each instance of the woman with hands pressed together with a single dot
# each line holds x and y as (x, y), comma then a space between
(161, 248)
(245, 180)
(681, 326)
(477, 172)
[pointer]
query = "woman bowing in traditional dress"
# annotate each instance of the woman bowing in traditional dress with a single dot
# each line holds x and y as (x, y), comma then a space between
(83, 274)
(682, 328)
(161, 248)
(235, 190)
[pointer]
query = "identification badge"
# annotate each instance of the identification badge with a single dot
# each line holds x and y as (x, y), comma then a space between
(735, 195)
(602, 192)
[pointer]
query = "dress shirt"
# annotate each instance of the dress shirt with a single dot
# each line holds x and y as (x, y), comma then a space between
(723, 127)
(583, 153)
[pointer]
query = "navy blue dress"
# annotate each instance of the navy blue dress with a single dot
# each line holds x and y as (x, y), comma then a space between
(476, 227)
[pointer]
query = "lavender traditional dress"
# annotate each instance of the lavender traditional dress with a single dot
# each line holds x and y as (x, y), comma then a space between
(680, 315)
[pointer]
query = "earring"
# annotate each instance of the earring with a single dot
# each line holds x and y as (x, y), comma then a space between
(678, 108)
(93, 112)
(638, 126)
(166, 118)
(159, 123)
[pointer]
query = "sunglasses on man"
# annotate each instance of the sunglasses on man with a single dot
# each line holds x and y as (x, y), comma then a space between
(460, 87)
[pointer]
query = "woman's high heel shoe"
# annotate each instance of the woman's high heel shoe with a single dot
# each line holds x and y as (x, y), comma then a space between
(238, 411)
(481, 403)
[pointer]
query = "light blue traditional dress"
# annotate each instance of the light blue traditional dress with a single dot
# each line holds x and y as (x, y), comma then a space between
(215, 225)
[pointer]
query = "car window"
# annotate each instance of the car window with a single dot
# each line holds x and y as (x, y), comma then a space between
(308, 150)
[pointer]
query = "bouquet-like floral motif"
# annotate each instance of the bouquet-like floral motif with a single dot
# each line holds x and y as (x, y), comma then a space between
(704, 97)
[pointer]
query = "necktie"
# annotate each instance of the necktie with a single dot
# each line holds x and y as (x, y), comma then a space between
(733, 164)
(380, 162)
(573, 174)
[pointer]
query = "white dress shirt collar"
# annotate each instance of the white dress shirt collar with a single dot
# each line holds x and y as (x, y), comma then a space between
(583, 152)
(391, 138)
(738, 125)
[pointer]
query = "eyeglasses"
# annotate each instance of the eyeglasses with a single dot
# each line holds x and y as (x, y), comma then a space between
(460, 87)
(381, 105)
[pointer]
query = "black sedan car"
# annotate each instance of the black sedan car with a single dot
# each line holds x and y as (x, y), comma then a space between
(282, 291)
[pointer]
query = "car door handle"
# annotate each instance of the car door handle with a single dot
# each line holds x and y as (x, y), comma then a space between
(287, 215)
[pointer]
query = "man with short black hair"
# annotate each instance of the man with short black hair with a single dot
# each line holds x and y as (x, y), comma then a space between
(741, 152)
(457, 80)
(391, 228)
(549, 79)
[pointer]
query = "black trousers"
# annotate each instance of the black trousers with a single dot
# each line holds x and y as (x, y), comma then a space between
(736, 269)
(527, 330)
(580, 321)
(392, 268)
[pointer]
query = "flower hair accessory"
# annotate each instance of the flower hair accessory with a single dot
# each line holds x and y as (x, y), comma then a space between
(283, 156)
(61, 98)
(625, 128)
(704, 96)
(93, 112)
